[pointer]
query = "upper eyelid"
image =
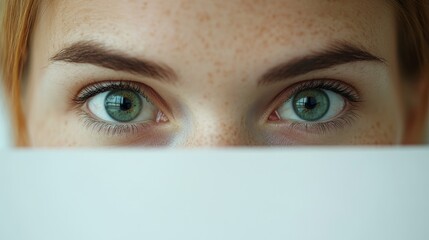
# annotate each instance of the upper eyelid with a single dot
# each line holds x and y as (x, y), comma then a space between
(146, 91)
(99, 87)
(336, 86)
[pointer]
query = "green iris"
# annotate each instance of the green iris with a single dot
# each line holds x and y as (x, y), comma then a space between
(123, 105)
(311, 104)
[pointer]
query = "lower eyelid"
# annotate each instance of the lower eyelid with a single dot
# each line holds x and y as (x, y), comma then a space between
(110, 128)
(346, 119)
(333, 125)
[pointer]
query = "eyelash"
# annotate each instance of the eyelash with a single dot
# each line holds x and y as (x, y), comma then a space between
(345, 119)
(101, 126)
(352, 98)
(100, 87)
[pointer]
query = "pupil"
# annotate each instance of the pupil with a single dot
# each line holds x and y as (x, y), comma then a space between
(311, 103)
(123, 105)
(126, 104)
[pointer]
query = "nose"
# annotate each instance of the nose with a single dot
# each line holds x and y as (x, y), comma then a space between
(217, 133)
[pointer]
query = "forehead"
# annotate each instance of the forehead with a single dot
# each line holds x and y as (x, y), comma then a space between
(205, 27)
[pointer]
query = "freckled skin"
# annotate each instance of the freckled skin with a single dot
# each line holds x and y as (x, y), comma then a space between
(376, 135)
(218, 49)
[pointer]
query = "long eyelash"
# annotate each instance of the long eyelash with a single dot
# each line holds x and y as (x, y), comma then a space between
(344, 120)
(99, 126)
(323, 127)
(100, 87)
(109, 128)
(328, 84)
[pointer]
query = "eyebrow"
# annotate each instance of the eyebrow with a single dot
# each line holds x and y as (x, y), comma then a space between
(337, 54)
(90, 52)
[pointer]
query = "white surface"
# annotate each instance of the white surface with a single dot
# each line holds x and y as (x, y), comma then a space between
(327, 193)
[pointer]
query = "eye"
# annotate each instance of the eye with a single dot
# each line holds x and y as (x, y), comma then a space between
(317, 106)
(119, 107)
(311, 105)
(122, 106)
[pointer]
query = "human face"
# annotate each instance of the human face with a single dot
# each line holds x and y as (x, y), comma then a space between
(213, 73)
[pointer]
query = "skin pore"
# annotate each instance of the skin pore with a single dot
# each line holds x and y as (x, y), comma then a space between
(214, 73)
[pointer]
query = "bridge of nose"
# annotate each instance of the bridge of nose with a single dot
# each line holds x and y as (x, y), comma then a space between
(214, 128)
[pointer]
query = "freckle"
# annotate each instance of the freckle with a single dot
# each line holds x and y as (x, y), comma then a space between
(203, 17)
(167, 12)
(71, 144)
(391, 128)
(226, 103)
(180, 46)
(262, 30)
(265, 43)
(206, 44)
(227, 73)
(185, 5)
(222, 43)
(218, 63)
(310, 24)
(377, 124)
(238, 51)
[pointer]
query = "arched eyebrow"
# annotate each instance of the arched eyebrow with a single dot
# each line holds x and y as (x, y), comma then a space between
(337, 54)
(90, 52)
